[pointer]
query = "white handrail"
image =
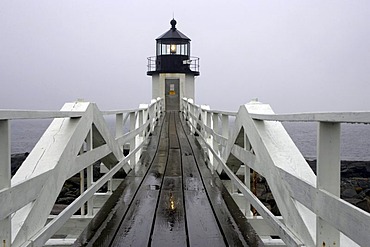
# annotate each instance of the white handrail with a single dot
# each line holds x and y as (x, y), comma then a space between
(77, 138)
(310, 205)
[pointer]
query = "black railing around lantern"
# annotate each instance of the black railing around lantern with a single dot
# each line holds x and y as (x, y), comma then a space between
(167, 64)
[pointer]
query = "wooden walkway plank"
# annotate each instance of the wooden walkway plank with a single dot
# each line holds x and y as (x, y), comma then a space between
(179, 202)
(217, 194)
(103, 228)
(136, 227)
(169, 225)
(203, 227)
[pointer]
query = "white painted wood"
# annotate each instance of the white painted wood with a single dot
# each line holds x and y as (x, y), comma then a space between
(30, 114)
(60, 242)
(269, 151)
(328, 177)
(262, 227)
(55, 158)
(285, 233)
(274, 155)
(333, 117)
(247, 177)
(119, 126)
(347, 218)
(65, 133)
(273, 242)
(10, 199)
(215, 142)
(5, 168)
(74, 226)
(82, 189)
(45, 233)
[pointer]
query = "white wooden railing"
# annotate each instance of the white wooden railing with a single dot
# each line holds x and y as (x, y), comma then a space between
(312, 213)
(77, 138)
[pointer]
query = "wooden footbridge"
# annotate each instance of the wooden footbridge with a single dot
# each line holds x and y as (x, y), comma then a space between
(188, 179)
(171, 200)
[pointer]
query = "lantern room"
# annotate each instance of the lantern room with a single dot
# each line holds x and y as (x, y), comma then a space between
(173, 70)
(173, 54)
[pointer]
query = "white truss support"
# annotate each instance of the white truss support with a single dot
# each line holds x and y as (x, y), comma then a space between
(76, 139)
(68, 136)
(274, 149)
(102, 128)
(310, 206)
(5, 169)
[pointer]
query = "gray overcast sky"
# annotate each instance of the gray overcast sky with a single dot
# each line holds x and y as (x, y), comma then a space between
(298, 56)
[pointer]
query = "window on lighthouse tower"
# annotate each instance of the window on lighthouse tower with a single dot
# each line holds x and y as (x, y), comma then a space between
(173, 48)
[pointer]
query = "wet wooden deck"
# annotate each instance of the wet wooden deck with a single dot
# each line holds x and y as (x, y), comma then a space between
(171, 200)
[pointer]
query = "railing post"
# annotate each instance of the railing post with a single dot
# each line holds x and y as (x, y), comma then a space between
(90, 174)
(133, 140)
(192, 116)
(225, 128)
(5, 178)
(247, 178)
(215, 144)
(328, 177)
(82, 183)
(208, 121)
(145, 119)
(139, 137)
(119, 126)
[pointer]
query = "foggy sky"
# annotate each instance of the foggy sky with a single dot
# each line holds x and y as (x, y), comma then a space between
(298, 56)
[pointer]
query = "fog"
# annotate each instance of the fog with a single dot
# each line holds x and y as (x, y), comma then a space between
(297, 56)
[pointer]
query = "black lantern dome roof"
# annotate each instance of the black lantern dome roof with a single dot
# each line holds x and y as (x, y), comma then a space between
(173, 33)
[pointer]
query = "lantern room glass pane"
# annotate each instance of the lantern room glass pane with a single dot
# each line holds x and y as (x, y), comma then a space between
(168, 49)
(159, 49)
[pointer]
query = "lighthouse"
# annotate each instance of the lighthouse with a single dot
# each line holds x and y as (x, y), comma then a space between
(173, 70)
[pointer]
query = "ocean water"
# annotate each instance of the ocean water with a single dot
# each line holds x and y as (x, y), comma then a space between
(355, 138)
(26, 133)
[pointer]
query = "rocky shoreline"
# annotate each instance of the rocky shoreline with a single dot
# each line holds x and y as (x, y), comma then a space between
(70, 190)
(355, 184)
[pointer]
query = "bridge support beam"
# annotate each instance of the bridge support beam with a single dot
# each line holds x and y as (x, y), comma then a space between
(328, 177)
(5, 176)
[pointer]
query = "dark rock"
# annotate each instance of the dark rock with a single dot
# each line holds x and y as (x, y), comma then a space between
(16, 161)
(364, 204)
(275, 210)
(73, 194)
(353, 201)
(58, 208)
(65, 200)
(349, 193)
(363, 194)
(368, 168)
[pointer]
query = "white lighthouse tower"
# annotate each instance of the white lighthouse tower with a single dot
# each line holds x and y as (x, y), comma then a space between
(173, 70)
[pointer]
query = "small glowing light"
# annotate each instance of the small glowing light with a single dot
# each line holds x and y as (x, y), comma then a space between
(173, 48)
(172, 202)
